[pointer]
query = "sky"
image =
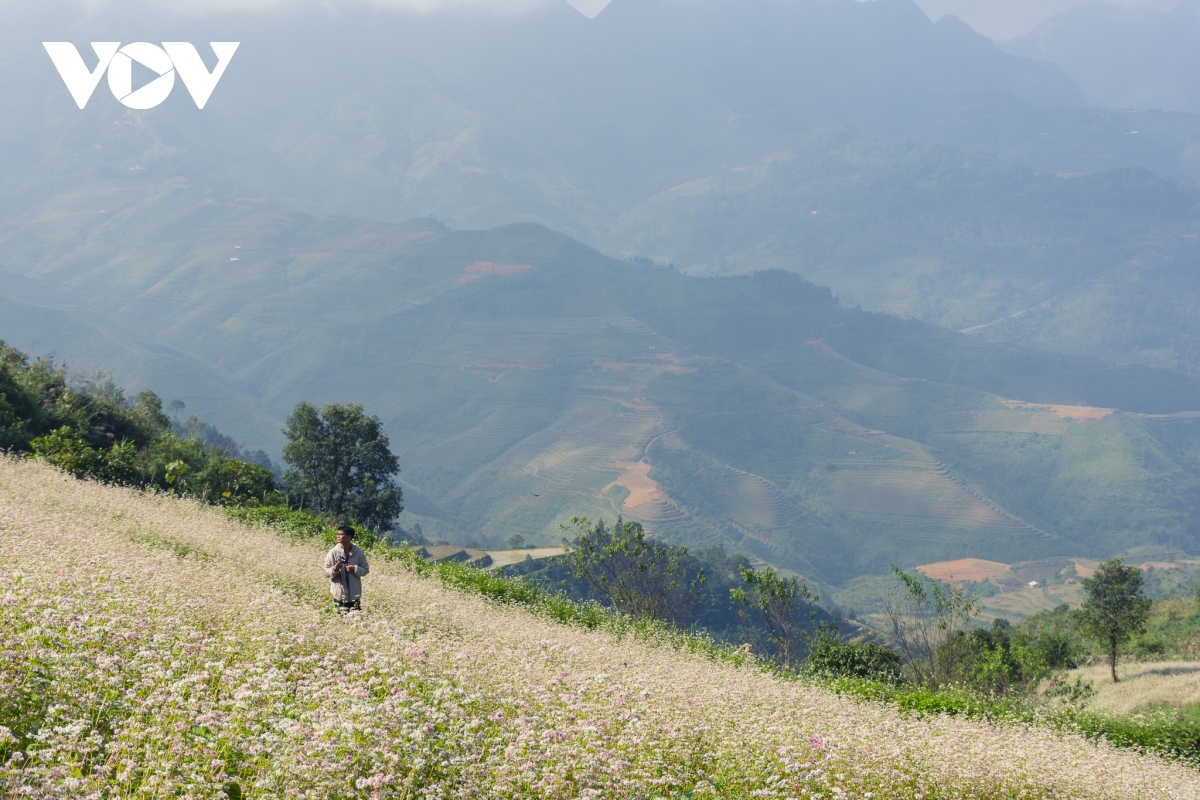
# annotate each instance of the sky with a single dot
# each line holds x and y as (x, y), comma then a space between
(1007, 19)
(998, 19)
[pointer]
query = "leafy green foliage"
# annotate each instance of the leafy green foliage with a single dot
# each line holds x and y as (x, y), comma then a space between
(214, 439)
(187, 466)
(87, 427)
(1003, 660)
(67, 450)
(830, 656)
(713, 610)
(37, 398)
(1171, 629)
(341, 464)
(774, 604)
(641, 577)
(1114, 609)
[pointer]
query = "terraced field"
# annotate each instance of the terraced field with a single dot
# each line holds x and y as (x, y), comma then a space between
(552, 472)
(748, 498)
(501, 429)
(589, 437)
(646, 502)
(916, 500)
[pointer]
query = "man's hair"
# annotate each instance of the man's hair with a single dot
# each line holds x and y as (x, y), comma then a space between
(346, 529)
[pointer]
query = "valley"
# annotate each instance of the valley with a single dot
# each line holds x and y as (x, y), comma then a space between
(525, 379)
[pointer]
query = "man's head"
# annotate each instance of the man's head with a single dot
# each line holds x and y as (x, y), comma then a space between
(345, 536)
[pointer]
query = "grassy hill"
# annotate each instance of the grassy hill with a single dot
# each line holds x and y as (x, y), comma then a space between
(525, 379)
(164, 649)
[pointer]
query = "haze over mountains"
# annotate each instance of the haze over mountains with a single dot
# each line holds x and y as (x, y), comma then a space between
(410, 211)
(1124, 56)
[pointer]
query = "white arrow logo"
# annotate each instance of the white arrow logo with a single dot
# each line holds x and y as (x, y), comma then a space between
(171, 58)
(589, 8)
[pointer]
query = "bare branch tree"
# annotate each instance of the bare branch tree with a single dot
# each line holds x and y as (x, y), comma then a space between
(930, 622)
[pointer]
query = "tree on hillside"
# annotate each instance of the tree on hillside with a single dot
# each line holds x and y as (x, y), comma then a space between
(341, 464)
(774, 604)
(1114, 609)
(643, 578)
(929, 622)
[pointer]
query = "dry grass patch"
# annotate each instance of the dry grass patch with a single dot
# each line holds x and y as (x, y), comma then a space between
(964, 569)
(1077, 413)
(1160, 683)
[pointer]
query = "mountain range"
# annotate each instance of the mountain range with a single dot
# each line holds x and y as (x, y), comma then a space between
(1124, 56)
(804, 279)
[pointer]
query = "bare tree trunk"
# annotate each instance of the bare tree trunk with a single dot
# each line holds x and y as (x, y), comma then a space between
(1112, 661)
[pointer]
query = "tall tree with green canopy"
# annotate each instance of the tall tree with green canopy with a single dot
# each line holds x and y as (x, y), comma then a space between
(1114, 609)
(341, 464)
(642, 577)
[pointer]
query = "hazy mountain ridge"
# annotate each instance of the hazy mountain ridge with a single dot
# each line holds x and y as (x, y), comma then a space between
(650, 120)
(525, 378)
(1121, 56)
(1066, 263)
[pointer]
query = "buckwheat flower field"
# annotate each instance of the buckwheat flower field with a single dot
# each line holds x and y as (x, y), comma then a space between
(151, 648)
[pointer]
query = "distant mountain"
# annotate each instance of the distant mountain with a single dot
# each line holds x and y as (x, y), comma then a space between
(1100, 263)
(524, 378)
(485, 120)
(655, 130)
(625, 131)
(254, 254)
(1123, 56)
(999, 21)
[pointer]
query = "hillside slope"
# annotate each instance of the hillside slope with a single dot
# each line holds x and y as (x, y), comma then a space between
(162, 649)
(524, 378)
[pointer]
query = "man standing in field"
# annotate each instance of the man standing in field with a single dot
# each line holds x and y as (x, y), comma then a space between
(345, 565)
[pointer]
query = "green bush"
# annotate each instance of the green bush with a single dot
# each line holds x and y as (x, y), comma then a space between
(67, 450)
(835, 658)
(1004, 660)
(188, 467)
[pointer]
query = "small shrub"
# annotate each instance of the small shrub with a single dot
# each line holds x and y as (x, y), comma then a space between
(835, 658)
